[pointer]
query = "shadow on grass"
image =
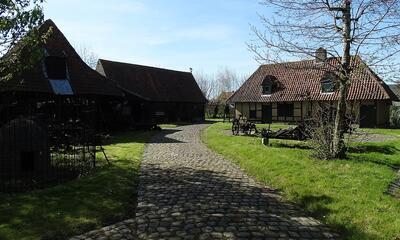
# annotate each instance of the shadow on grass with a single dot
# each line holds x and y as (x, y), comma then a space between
(383, 149)
(76, 207)
(367, 153)
(293, 145)
(105, 197)
(317, 205)
(379, 161)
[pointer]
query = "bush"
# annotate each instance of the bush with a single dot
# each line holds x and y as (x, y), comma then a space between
(320, 130)
(395, 116)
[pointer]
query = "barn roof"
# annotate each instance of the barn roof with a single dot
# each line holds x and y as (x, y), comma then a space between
(301, 80)
(153, 84)
(396, 89)
(82, 79)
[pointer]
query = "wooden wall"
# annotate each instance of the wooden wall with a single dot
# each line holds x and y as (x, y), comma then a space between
(303, 110)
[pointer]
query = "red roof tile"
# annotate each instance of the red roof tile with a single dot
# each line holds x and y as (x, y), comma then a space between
(299, 81)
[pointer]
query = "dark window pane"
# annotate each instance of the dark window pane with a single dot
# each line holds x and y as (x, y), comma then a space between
(267, 89)
(327, 87)
(56, 68)
(285, 110)
(253, 114)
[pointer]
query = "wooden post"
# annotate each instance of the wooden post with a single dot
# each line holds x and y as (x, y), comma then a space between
(265, 141)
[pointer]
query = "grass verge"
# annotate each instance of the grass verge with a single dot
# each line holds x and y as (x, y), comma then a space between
(105, 197)
(346, 194)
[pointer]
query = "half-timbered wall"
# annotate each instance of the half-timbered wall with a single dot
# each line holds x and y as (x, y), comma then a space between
(303, 110)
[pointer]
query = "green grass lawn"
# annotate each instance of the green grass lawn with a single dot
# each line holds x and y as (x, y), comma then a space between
(105, 197)
(164, 126)
(388, 131)
(346, 194)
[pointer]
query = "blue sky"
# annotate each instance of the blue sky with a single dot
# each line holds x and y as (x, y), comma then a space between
(203, 34)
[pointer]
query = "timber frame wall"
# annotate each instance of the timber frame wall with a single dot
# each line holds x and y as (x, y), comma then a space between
(306, 109)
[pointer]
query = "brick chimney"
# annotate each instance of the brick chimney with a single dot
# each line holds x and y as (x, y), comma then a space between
(320, 55)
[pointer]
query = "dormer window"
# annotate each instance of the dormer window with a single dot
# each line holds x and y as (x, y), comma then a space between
(267, 84)
(328, 83)
(267, 89)
(56, 68)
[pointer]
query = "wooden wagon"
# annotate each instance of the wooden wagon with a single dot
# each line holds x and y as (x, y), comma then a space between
(244, 126)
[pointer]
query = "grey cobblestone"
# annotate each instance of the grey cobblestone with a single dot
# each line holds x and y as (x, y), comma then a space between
(186, 191)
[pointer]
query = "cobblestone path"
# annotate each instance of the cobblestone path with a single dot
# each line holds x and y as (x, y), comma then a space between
(187, 191)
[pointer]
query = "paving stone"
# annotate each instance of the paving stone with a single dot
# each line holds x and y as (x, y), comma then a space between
(186, 191)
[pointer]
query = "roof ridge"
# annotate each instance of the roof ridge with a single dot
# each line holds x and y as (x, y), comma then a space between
(146, 66)
(294, 61)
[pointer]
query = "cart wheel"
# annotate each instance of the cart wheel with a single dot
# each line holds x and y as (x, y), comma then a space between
(247, 130)
(253, 131)
(235, 129)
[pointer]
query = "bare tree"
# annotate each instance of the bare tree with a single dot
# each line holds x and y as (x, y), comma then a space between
(368, 29)
(87, 55)
(225, 80)
(228, 80)
(207, 84)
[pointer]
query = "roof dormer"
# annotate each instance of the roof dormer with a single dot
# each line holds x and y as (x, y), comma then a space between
(268, 84)
(329, 82)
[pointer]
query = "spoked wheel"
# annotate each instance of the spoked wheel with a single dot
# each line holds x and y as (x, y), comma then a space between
(252, 130)
(235, 129)
(247, 130)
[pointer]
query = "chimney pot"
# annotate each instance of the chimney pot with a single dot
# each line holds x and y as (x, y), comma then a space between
(321, 55)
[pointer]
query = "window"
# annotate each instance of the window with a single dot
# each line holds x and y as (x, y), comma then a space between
(253, 114)
(328, 83)
(267, 89)
(56, 68)
(327, 86)
(267, 84)
(285, 110)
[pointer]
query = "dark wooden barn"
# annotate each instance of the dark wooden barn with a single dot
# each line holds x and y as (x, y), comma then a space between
(156, 95)
(62, 78)
(49, 115)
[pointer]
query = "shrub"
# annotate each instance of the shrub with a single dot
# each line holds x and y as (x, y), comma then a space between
(395, 116)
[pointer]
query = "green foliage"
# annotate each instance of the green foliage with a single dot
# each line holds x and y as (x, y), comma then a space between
(105, 197)
(347, 194)
(395, 116)
(19, 36)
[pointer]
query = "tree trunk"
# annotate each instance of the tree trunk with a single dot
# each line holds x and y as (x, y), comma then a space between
(339, 146)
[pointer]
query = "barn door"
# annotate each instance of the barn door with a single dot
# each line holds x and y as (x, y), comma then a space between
(266, 114)
(368, 116)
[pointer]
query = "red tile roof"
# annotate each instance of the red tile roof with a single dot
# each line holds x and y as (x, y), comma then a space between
(299, 81)
(83, 79)
(153, 84)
